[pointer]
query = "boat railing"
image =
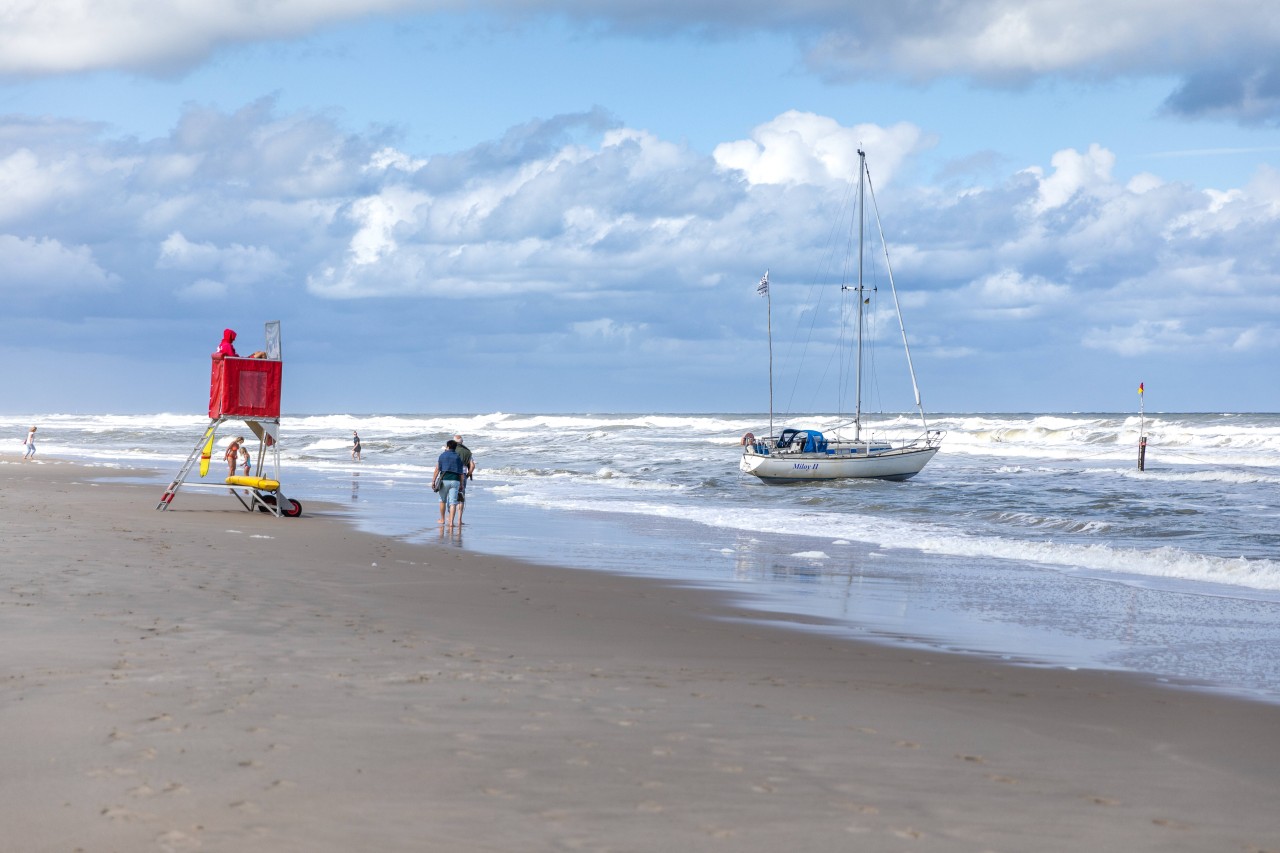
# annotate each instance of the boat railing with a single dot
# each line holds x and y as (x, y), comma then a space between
(768, 445)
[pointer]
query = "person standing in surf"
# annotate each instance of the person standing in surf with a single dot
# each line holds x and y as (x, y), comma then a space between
(447, 480)
(469, 467)
(30, 444)
(355, 445)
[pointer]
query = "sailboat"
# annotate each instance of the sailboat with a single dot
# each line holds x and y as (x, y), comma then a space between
(799, 454)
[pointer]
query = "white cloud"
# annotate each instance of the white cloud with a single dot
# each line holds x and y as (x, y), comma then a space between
(54, 36)
(984, 38)
(204, 290)
(804, 148)
(238, 264)
(1074, 173)
(33, 267)
(605, 330)
(1002, 38)
(1223, 52)
(1148, 337)
(1013, 295)
(611, 236)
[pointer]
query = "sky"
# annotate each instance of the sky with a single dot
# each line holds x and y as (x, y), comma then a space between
(548, 206)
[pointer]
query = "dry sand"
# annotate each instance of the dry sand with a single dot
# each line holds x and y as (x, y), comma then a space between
(211, 679)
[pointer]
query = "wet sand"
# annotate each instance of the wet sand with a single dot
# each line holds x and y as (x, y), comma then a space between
(211, 679)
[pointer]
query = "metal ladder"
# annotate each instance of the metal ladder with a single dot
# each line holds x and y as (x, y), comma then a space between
(167, 497)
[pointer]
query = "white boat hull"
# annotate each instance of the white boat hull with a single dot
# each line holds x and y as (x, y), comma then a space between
(898, 463)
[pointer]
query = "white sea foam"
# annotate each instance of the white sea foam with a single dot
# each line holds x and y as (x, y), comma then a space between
(1160, 562)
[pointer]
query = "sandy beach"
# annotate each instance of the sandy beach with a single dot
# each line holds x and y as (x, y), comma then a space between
(211, 679)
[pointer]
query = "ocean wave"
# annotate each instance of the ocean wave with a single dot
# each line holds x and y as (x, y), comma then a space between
(1160, 562)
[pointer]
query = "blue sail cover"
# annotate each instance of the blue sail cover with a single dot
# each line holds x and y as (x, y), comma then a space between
(807, 440)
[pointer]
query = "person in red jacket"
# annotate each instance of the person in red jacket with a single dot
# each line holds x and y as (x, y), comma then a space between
(227, 347)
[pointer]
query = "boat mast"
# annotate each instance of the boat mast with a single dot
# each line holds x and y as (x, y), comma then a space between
(893, 288)
(763, 288)
(862, 219)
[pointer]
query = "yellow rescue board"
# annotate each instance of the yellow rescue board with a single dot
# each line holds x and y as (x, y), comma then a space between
(206, 453)
(260, 483)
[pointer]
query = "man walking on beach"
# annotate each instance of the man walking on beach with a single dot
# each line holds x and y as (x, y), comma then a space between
(355, 445)
(447, 480)
(464, 453)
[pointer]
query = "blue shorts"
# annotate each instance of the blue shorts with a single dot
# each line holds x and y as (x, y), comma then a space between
(449, 492)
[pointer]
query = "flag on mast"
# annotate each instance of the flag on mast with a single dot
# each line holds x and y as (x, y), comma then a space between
(763, 287)
(1140, 384)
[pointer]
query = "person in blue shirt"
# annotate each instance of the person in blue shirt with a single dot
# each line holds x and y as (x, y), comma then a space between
(447, 480)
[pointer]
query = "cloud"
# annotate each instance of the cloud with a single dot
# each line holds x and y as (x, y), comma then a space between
(1148, 337)
(568, 239)
(607, 331)
(1073, 173)
(1248, 92)
(577, 218)
(44, 265)
(803, 148)
(237, 265)
(1009, 294)
(60, 36)
(990, 42)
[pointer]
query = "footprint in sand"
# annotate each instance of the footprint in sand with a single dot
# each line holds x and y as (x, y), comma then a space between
(175, 841)
(863, 808)
(120, 814)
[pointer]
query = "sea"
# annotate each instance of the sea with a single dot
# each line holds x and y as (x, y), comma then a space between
(1030, 538)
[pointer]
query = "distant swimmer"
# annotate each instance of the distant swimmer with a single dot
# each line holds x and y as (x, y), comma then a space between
(30, 444)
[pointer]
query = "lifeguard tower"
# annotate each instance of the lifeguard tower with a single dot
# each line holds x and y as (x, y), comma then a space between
(246, 389)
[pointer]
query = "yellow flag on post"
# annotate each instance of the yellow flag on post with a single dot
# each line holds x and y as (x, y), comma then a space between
(1140, 384)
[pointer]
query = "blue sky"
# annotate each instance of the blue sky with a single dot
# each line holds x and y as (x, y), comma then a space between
(542, 206)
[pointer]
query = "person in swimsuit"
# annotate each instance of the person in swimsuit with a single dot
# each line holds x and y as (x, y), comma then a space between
(233, 454)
